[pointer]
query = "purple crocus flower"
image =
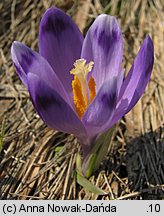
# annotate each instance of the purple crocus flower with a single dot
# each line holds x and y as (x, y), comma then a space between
(77, 84)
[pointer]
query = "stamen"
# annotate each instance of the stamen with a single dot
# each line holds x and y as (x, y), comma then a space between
(78, 97)
(92, 88)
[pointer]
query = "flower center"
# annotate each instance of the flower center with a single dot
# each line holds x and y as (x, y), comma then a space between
(83, 91)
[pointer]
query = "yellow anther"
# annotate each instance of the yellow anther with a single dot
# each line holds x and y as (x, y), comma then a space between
(81, 88)
(92, 88)
(78, 97)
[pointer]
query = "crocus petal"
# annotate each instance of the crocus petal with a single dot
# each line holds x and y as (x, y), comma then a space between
(103, 45)
(26, 60)
(22, 59)
(60, 42)
(101, 110)
(51, 107)
(136, 80)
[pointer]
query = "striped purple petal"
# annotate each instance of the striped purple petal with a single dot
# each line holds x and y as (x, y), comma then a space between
(136, 81)
(103, 45)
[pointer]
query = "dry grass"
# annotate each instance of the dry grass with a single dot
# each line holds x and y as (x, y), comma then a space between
(134, 166)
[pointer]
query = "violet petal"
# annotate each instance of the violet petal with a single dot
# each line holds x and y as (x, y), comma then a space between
(103, 45)
(26, 60)
(51, 107)
(136, 80)
(101, 110)
(60, 42)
